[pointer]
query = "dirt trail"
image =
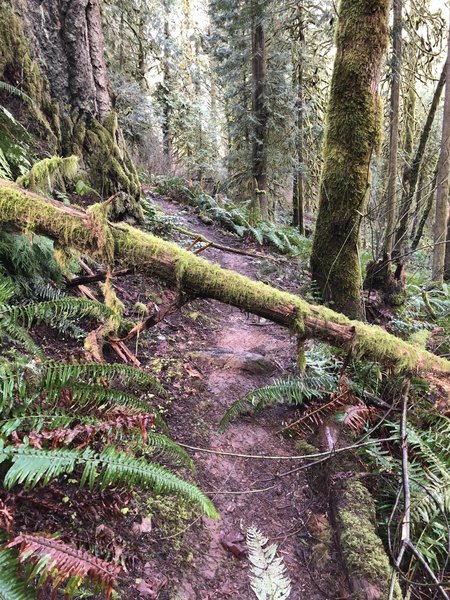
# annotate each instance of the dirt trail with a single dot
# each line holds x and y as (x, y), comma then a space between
(242, 354)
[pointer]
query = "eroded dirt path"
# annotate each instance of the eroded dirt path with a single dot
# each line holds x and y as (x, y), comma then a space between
(238, 353)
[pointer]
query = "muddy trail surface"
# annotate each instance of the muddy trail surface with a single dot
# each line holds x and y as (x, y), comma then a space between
(233, 353)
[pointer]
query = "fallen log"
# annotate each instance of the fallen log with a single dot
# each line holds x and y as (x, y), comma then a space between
(196, 277)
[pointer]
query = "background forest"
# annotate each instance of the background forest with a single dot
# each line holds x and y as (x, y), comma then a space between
(161, 434)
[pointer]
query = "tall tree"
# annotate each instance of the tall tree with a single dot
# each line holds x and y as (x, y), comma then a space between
(352, 135)
(391, 194)
(443, 173)
(260, 111)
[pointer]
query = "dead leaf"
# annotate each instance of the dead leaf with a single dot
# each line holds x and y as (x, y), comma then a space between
(234, 543)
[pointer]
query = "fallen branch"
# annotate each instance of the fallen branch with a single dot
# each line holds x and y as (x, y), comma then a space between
(152, 256)
(96, 277)
(210, 244)
(407, 543)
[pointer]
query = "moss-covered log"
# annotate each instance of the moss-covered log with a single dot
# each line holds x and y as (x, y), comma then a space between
(366, 561)
(352, 135)
(196, 276)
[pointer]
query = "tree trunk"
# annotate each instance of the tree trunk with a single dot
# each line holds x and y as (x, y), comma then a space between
(440, 223)
(64, 38)
(259, 109)
(353, 134)
(167, 142)
(425, 214)
(391, 195)
(447, 253)
(411, 176)
(298, 187)
(92, 234)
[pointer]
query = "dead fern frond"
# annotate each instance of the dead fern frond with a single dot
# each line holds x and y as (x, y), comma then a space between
(58, 564)
(349, 410)
(268, 579)
(356, 417)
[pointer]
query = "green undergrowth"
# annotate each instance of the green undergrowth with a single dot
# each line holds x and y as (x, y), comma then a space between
(233, 217)
(83, 423)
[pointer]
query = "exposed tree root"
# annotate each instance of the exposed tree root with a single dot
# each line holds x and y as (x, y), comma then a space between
(150, 255)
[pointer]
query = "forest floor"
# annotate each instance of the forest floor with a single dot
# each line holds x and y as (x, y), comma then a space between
(208, 355)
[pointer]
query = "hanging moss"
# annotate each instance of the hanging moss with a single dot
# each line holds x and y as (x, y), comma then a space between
(98, 224)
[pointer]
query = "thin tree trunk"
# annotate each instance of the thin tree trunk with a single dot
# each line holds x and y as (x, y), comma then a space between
(167, 144)
(352, 135)
(411, 175)
(391, 195)
(440, 223)
(259, 109)
(298, 187)
(447, 253)
(425, 214)
(150, 255)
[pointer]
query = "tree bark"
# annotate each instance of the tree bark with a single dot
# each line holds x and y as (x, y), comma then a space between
(440, 223)
(411, 176)
(298, 187)
(196, 277)
(61, 42)
(447, 253)
(259, 109)
(391, 194)
(352, 135)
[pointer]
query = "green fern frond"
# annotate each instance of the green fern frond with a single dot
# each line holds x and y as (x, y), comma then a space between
(12, 89)
(110, 467)
(56, 375)
(161, 443)
(268, 579)
(11, 586)
(20, 336)
(52, 311)
(292, 391)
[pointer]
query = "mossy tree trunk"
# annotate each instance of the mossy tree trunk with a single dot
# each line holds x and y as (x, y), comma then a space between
(61, 44)
(352, 135)
(92, 234)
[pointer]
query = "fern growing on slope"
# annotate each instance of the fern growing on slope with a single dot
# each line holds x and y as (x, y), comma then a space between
(318, 380)
(268, 578)
(429, 476)
(59, 419)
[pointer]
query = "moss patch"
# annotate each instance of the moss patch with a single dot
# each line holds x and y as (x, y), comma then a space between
(361, 546)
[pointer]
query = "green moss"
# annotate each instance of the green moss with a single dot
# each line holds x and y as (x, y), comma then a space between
(362, 548)
(46, 173)
(111, 169)
(117, 308)
(98, 224)
(18, 67)
(352, 135)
